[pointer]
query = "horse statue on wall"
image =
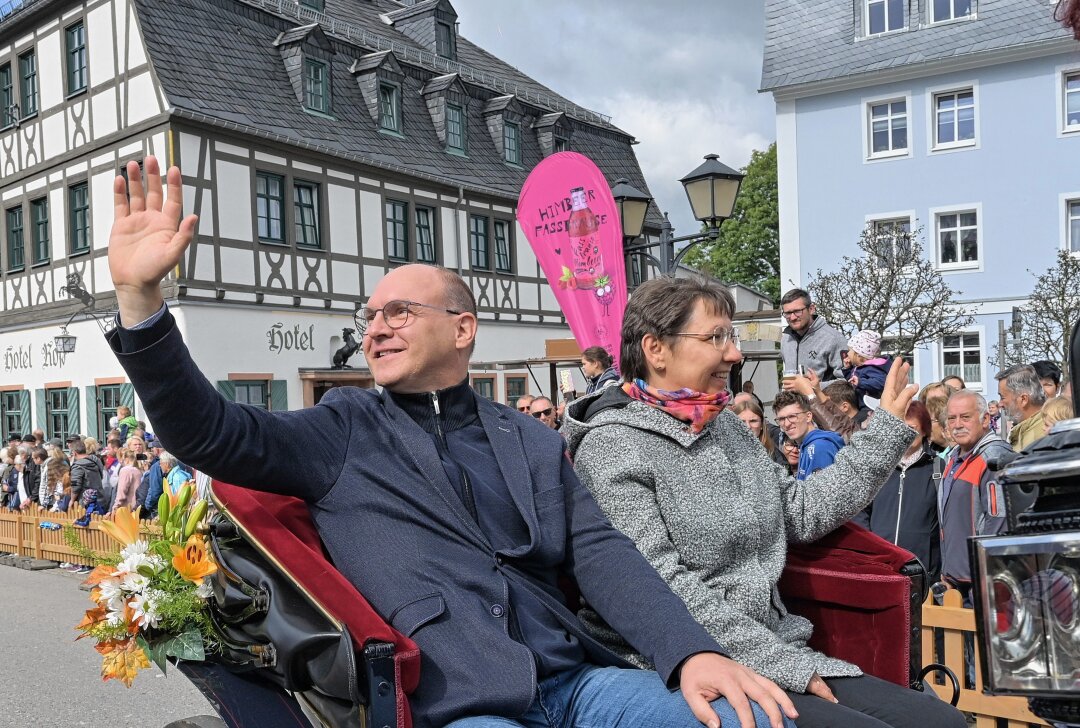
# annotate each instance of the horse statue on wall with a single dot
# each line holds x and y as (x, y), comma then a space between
(350, 347)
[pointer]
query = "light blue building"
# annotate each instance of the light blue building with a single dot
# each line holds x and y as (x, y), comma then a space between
(959, 117)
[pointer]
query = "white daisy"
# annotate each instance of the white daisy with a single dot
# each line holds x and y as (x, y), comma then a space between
(134, 583)
(110, 589)
(139, 548)
(131, 564)
(145, 609)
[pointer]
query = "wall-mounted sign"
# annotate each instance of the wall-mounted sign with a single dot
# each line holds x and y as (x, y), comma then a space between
(282, 339)
(17, 358)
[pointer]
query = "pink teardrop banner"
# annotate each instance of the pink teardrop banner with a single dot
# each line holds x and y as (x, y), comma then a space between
(570, 218)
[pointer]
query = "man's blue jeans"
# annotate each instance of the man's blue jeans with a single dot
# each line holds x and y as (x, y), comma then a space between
(609, 697)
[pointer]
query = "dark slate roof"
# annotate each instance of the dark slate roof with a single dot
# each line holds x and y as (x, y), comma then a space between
(217, 64)
(439, 83)
(818, 40)
(293, 35)
(369, 62)
(420, 8)
(497, 104)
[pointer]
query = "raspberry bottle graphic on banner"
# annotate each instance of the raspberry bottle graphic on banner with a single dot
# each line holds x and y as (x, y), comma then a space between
(587, 264)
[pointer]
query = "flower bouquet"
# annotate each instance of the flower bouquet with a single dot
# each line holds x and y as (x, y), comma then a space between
(150, 600)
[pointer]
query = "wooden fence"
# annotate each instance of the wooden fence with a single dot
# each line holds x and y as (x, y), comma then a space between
(21, 534)
(954, 621)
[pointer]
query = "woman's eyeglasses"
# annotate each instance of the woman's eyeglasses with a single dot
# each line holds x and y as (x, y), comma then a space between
(719, 337)
(396, 314)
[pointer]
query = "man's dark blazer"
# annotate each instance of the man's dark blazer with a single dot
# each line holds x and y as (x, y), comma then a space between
(395, 527)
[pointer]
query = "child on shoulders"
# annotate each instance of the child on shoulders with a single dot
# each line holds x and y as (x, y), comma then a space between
(867, 370)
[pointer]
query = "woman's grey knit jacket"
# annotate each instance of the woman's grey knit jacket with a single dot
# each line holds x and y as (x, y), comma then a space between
(713, 514)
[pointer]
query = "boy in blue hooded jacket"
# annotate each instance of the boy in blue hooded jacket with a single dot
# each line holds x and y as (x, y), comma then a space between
(817, 448)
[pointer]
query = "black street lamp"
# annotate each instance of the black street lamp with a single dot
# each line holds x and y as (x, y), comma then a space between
(711, 189)
(64, 342)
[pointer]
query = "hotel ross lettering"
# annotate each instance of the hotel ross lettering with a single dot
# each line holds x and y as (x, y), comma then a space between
(282, 339)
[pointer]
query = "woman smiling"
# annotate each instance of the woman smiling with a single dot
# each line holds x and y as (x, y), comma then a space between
(696, 491)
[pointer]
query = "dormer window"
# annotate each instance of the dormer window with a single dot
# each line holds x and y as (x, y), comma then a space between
(308, 57)
(316, 86)
(431, 23)
(445, 43)
(503, 116)
(448, 104)
(455, 128)
(554, 132)
(381, 81)
(389, 107)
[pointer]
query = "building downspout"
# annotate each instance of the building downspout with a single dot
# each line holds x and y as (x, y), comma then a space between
(457, 225)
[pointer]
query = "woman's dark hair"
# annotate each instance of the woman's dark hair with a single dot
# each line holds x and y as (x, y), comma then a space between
(1068, 12)
(918, 412)
(661, 307)
(598, 355)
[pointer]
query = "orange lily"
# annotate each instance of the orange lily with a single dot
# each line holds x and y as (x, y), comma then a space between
(124, 527)
(191, 560)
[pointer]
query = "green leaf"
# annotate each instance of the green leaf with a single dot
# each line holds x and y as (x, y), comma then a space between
(155, 651)
(186, 646)
(146, 570)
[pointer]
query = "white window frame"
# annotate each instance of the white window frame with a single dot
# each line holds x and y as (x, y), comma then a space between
(931, 20)
(958, 267)
(1063, 207)
(1063, 129)
(933, 147)
(868, 138)
(908, 215)
(887, 31)
(940, 364)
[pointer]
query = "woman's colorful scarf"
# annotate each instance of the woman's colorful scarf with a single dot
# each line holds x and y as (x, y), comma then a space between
(687, 405)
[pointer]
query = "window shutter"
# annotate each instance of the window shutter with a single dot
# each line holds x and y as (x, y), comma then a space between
(279, 395)
(42, 416)
(127, 397)
(24, 412)
(227, 389)
(93, 412)
(73, 411)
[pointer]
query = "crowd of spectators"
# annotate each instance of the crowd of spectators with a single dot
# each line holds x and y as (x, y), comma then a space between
(130, 470)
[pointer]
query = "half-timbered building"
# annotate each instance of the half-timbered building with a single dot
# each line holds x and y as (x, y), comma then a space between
(322, 143)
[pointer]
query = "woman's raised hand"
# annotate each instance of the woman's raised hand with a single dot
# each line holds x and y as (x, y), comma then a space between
(147, 239)
(897, 394)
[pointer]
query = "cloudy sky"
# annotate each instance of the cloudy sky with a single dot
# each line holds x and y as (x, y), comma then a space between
(680, 75)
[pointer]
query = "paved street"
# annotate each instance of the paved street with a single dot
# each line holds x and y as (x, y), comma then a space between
(50, 681)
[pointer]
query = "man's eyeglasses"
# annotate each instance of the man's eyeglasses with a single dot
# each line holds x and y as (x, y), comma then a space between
(541, 413)
(719, 337)
(789, 418)
(794, 312)
(396, 314)
(524, 409)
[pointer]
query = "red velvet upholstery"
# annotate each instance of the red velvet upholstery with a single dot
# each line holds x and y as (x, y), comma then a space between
(283, 524)
(849, 586)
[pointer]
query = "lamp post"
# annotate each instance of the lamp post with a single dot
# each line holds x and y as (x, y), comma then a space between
(64, 342)
(711, 189)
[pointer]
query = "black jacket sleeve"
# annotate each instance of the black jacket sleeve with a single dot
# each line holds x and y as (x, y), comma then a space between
(299, 453)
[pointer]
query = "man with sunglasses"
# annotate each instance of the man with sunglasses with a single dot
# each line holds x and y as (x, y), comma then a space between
(468, 512)
(808, 341)
(544, 410)
(523, 402)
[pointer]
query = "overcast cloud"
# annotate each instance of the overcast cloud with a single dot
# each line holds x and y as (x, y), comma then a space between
(680, 75)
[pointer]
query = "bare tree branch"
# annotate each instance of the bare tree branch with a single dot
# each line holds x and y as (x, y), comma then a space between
(890, 289)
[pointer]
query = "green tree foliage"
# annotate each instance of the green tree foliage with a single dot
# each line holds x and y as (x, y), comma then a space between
(748, 248)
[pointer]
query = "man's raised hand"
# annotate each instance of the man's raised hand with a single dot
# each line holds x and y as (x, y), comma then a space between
(147, 239)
